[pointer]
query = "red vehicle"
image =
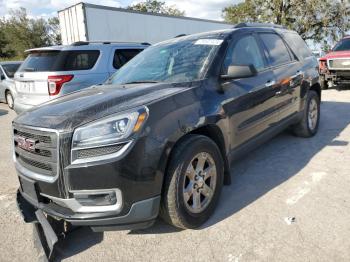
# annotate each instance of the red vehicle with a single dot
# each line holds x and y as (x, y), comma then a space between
(335, 66)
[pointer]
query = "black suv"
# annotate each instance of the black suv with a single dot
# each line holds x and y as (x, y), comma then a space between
(159, 136)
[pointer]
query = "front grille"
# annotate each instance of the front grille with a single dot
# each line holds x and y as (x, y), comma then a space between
(41, 138)
(341, 64)
(36, 164)
(36, 150)
(100, 151)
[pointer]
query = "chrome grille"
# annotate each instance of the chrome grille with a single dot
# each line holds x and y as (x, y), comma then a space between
(41, 138)
(34, 163)
(340, 64)
(36, 150)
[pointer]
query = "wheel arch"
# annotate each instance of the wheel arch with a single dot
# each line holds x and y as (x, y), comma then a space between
(214, 133)
(5, 93)
(317, 88)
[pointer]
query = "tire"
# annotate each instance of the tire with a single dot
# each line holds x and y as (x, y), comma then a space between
(305, 128)
(9, 99)
(176, 208)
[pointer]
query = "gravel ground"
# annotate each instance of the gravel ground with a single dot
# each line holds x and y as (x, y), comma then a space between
(289, 201)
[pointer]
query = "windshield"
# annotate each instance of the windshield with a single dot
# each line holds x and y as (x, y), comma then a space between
(10, 69)
(171, 62)
(343, 45)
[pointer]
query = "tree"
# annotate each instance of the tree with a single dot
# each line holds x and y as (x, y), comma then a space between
(53, 25)
(20, 33)
(316, 20)
(154, 6)
(240, 13)
(3, 44)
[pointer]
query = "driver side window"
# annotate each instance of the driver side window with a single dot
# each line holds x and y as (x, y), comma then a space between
(245, 52)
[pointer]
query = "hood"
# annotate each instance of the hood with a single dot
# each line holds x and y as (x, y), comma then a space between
(73, 110)
(337, 54)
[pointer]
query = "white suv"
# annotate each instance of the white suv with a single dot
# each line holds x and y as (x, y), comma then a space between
(50, 72)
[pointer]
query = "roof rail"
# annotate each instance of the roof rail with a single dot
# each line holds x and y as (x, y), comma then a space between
(79, 43)
(242, 25)
(181, 35)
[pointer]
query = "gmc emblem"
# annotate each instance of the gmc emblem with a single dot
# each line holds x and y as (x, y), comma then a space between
(26, 143)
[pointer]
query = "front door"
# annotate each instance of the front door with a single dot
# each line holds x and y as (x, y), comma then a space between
(250, 102)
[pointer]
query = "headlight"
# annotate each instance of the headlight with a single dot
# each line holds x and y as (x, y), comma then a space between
(107, 132)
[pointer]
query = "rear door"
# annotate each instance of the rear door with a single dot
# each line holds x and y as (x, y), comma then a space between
(250, 103)
(288, 72)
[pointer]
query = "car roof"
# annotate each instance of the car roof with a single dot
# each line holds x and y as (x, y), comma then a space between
(89, 46)
(223, 33)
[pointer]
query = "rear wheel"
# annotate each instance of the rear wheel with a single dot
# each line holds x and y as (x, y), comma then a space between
(193, 182)
(309, 123)
(9, 99)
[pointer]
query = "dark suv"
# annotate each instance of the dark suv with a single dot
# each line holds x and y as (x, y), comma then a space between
(160, 135)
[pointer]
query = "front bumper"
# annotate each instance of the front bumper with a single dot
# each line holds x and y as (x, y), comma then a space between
(339, 77)
(65, 192)
(142, 214)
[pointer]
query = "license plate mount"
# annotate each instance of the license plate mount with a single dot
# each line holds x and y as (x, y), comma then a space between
(25, 86)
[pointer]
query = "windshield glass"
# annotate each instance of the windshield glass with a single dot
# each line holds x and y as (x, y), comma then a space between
(10, 69)
(343, 45)
(174, 61)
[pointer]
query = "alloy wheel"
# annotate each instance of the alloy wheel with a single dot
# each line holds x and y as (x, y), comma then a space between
(9, 100)
(199, 183)
(313, 114)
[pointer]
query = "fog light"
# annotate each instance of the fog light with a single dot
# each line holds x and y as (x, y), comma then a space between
(98, 199)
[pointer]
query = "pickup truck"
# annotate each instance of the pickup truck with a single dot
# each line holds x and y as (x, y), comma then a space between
(335, 65)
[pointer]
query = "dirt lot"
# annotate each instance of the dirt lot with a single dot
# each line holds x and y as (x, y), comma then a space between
(289, 177)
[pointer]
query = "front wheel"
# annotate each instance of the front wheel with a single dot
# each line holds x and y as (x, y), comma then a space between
(9, 100)
(308, 126)
(193, 182)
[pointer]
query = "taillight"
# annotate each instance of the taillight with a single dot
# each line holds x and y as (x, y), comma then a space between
(55, 83)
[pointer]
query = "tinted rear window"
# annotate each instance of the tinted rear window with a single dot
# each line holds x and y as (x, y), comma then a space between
(298, 45)
(278, 51)
(122, 56)
(10, 69)
(343, 45)
(60, 61)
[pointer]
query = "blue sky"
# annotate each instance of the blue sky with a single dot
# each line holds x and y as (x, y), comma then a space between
(208, 9)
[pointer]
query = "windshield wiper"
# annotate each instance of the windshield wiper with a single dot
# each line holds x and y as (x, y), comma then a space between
(141, 82)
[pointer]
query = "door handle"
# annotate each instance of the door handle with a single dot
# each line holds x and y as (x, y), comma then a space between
(270, 83)
(298, 73)
(279, 93)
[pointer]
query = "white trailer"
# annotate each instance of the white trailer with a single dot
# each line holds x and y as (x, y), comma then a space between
(88, 22)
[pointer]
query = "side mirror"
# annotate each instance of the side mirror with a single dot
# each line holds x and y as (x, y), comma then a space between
(240, 71)
(2, 77)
